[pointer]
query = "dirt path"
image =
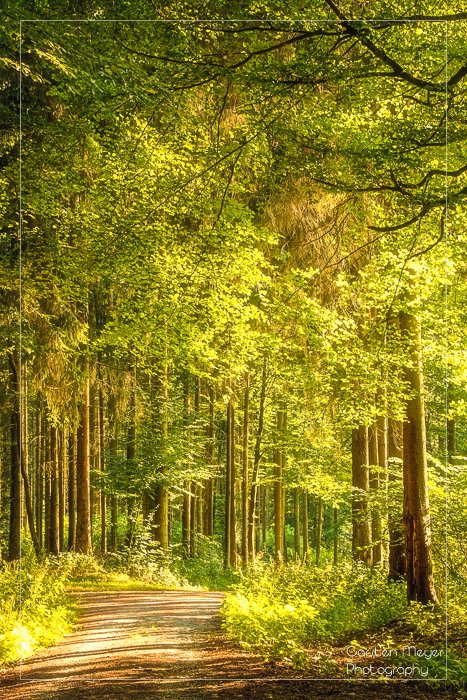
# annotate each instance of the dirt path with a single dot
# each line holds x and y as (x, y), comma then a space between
(138, 645)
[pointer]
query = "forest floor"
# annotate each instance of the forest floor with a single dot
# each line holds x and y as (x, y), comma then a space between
(138, 645)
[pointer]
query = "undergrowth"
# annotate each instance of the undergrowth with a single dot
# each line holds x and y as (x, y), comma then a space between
(47, 613)
(282, 611)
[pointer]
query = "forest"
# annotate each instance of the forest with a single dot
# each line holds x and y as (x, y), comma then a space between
(232, 314)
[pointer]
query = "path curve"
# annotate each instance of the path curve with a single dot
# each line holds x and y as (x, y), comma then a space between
(153, 645)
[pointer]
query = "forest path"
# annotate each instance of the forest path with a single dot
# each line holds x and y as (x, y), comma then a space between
(138, 645)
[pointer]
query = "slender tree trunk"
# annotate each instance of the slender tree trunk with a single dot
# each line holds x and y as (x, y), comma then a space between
(61, 488)
(278, 485)
(451, 431)
(71, 492)
(47, 474)
(420, 583)
(209, 495)
(256, 465)
(14, 542)
(113, 499)
(102, 464)
(397, 563)
(284, 519)
(54, 493)
(39, 487)
(161, 494)
(305, 525)
(382, 426)
(319, 530)
(131, 456)
(199, 488)
(186, 515)
(296, 520)
(376, 530)
(232, 509)
(192, 520)
(24, 439)
(18, 465)
(83, 505)
(246, 428)
(361, 537)
(92, 451)
(335, 535)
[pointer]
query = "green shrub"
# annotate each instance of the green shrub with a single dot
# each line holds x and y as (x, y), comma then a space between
(280, 610)
(46, 611)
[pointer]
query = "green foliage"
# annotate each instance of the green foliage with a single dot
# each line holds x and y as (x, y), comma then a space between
(281, 610)
(46, 611)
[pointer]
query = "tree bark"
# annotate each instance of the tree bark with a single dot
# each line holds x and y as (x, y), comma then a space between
(361, 535)
(186, 519)
(83, 505)
(335, 535)
(209, 494)
(296, 520)
(61, 489)
(376, 530)
(420, 583)
(14, 537)
(256, 465)
(278, 513)
(18, 469)
(319, 530)
(71, 492)
(397, 563)
(113, 499)
(246, 428)
(232, 509)
(305, 525)
(161, 494)
(102, 465)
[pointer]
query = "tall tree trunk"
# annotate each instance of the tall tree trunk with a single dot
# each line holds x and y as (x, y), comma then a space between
(47, 477)
(18, 469)
(335, 535)
(113, 499)
(186, 515)
(14, 541)
(54, 493)
(305, 525)
(209, 495)
(83, 505)
(420, 583)
(319, 529)
(24, 439)
(71, 492)
(256, 464)
(232, 509)
(361, 536)
(376, 530)
(102, 464)
(92, 451)
(61, 488)
(161, 494)
(382, 426)
(397, 563)
(296, 520)
(39, 473)
(451, 431)
(278, 485)
(246, 428)
(199, 488)
(131, 455)
(284, 519)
